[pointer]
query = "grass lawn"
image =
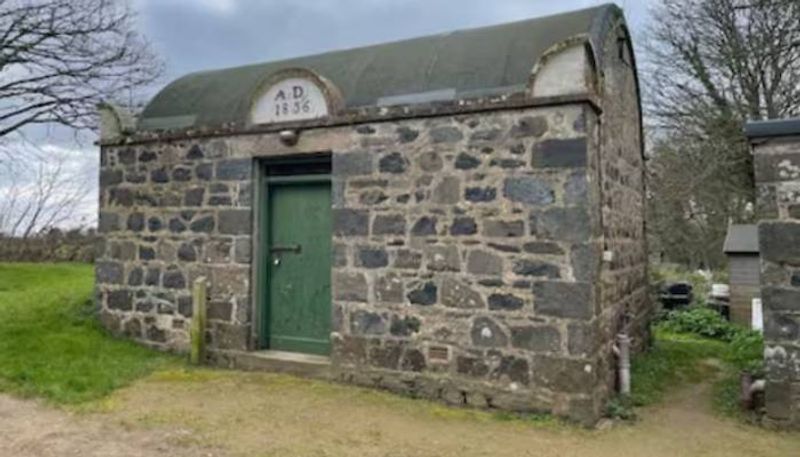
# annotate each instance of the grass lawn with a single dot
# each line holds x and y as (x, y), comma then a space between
(50, 342)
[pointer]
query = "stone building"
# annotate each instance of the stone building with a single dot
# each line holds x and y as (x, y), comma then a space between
(776, 157)
(457, 217)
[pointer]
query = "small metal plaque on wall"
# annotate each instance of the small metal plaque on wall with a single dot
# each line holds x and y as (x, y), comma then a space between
(290, 99)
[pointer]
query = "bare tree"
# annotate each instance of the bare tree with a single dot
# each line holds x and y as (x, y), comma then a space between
(40, 189)
(711, 65)
(59, 58)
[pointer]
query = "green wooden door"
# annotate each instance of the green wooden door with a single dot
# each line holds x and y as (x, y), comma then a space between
(298, 314)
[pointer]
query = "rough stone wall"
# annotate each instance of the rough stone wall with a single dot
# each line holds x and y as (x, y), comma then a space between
(466, 250)
(463, 261)
(169, 213)
(777, 173)
(620, 207)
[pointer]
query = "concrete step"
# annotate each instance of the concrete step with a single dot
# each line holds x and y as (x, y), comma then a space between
(306, 365)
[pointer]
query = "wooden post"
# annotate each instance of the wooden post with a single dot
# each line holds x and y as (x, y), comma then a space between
(197, 332)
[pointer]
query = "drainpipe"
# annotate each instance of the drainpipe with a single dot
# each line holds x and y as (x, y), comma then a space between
(622, 349)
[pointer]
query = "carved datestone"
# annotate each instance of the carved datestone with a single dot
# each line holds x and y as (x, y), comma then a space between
(290, 99)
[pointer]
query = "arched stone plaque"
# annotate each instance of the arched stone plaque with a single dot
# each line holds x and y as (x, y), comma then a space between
(293, 95)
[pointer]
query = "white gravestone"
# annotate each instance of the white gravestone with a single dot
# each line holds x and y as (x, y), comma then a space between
(291, 99)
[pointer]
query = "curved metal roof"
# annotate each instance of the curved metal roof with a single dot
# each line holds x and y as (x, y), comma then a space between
(458, 65)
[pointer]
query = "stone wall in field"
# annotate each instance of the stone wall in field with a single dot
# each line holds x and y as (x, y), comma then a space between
(777, 172)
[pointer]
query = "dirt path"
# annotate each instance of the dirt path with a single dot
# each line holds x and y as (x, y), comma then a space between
(29, 429)
(261, 415)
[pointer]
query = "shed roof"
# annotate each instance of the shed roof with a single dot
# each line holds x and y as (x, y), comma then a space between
(741, 239)
(772, 127)
(493, 60)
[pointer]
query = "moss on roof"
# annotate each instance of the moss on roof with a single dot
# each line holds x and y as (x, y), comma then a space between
(463, 64)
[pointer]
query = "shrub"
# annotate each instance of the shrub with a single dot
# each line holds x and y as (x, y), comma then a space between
(700, 321)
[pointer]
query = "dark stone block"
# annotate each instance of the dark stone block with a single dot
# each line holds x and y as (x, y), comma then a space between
(147, 156)
(563, 299)
(581, 339)
(393, 163)
(448, 191)
(121, 196)
(507, 163)
(425, 226)
(778, 400)
(174, 279)
(156, 334)
(219, 200)
(466, 162)
(525, 267)
(780, 241)
(413, 360)
(423, 294)
(569, 153)
(220, 310)
(575, 189)
(406, 135)
(136, 222)
(235, 221)
(562, 224)
(542, 247)
(119, 299)
(781, 327)
(352, 163)
(194, 153)
(443, 258)
(513, 369)
(127, 156)
(176, 225)
(536, 338)
(204, 171)
(463, 226)
(110, 177)
(185, 306)
(780, 299)
(204, 224)
(529, 190)
(181, 174)
(404, 326)
(445, 134)
(491, 282)
(134, 177)
(194, 197)
(154, 224)
(386, 356)
(159, 175)
(471, 366)
(365, 129)
(367, 323)
(505, 302)
(534, 126)
(480, 194)
(109, 272)
(242, 250)
(146, 253)
(186, 253)
(487, 333)
(107, 222)
(234, 169)
(563, 375)
(585, 260)
(135, 277)
(503, 229)
(152, 277)
(350, 222)
(392, 224)
(373, 257)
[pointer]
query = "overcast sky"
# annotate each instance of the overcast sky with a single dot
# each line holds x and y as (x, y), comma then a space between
(194, 35)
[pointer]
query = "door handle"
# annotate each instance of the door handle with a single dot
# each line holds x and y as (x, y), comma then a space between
(288, 248)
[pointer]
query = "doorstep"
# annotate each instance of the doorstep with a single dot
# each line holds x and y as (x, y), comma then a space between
(296, 363)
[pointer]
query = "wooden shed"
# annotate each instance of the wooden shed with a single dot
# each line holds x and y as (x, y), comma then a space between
(741, 247)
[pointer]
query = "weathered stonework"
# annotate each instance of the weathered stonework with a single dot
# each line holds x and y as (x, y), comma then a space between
(482, 254)
(777, 172)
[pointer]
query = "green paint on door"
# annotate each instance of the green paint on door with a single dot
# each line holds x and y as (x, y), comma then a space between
(298, 315)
